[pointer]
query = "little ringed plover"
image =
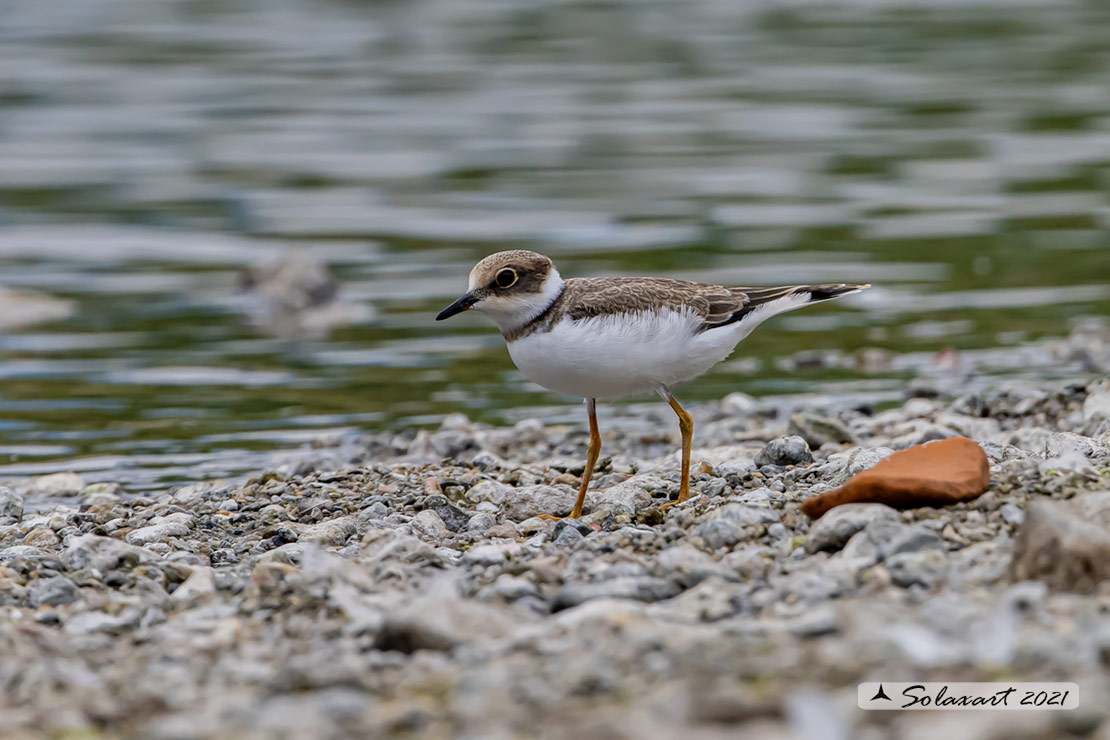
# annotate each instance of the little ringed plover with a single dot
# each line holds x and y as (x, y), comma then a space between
(613, 337)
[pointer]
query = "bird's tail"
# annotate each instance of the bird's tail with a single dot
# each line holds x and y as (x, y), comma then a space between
(828, 291)
(760, 304)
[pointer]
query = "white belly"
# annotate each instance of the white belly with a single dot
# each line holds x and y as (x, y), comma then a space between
(611, 356)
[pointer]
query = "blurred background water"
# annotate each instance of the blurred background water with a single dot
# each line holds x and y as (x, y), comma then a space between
(957, 155)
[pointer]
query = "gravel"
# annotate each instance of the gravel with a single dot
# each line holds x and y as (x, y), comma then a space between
(416, 595)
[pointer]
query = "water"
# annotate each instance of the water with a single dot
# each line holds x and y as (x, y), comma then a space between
(956, 155)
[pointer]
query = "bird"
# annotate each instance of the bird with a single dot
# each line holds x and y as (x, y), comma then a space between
(605, 338)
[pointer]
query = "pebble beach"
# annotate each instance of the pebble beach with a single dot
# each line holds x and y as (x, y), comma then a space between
(412, 590)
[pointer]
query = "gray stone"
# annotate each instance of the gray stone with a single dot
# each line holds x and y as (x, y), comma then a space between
(812, 582)
(104, 554)
(982, 564)
(634, 493)
(569, 537)
(157, 533)
(101, 494)
(42, 537)
(834, 529)
(429, 524)
(439, 623)
(330, 533)
(291, 553)
(536, 524)
(223, 556)
(1012, 514)
(522, 503)
(689, 566)
(925, 433)
(201, 584)
(492, 553)
(708, 601)
(58, 484)
(713, 488)
(759, 495)
(1048, 443)
(11, 506)
(739, 405)
(861, 459)
(819, 430)
(454, 518)
(733, 523)
(376, 510)
(453, 443)
(273, 514)
(513, 588)
(529, 431)
(194, 493)
(900, 539)
(486, 461)
(1096, 408)
(820, 620)
(636, 588)
(785, 451)
(1056, 546)
(480, 522)
(88, 622)
(862, 549)
(925, 568)
(54, 591)
(1094, 508)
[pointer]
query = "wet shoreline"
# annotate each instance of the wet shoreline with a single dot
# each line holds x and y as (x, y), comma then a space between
(412, 589)
(149, 155)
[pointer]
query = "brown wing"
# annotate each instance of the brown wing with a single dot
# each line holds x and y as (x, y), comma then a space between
(590, 297)
(717, 305)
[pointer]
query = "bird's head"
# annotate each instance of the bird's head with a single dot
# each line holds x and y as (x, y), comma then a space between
(512, 288)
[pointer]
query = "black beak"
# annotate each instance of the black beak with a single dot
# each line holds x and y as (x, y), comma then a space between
(463, 304)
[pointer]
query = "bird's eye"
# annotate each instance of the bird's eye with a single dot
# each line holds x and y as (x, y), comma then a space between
(506, 278)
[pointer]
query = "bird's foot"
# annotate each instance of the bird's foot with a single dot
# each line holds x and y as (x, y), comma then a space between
(684, 503)
(552, 517)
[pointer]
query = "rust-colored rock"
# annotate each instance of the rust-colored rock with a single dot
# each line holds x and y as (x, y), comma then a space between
(946, 471)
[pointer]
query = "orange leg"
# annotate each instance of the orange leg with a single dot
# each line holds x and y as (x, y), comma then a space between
(591, 461)
(686, 426)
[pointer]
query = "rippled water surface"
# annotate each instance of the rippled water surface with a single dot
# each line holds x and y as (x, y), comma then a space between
(957, 155)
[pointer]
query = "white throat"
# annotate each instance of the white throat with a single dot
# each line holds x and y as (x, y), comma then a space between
(513, 312)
